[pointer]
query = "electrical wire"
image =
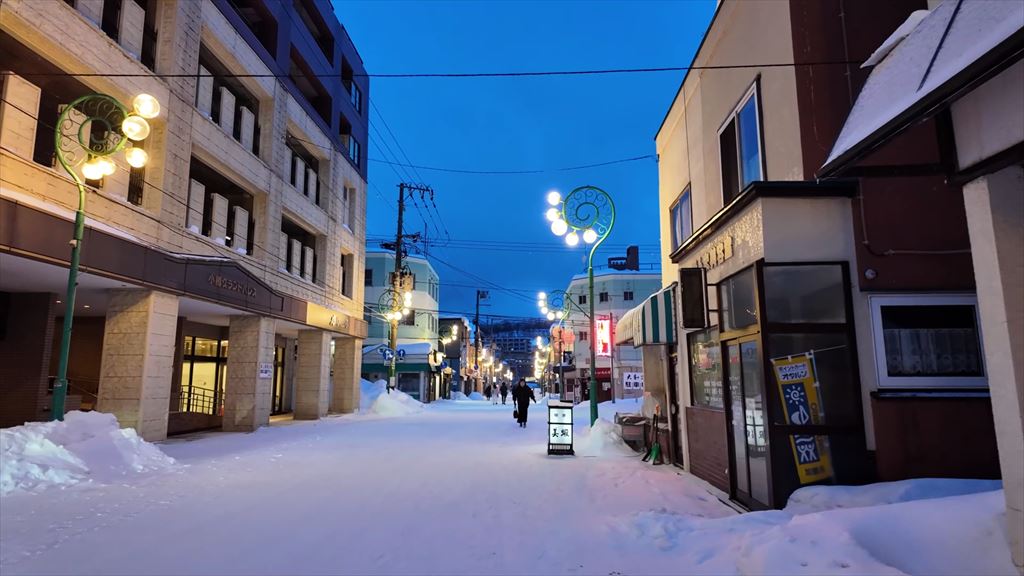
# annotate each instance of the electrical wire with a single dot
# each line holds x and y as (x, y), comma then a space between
(535, 171)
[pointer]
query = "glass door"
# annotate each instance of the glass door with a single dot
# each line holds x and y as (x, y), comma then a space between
(747, 434)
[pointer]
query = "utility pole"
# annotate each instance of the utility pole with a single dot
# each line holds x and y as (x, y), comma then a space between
(611, 351)
(397, 279)
(476, 337)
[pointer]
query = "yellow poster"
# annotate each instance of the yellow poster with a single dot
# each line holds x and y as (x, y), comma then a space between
(798, 388)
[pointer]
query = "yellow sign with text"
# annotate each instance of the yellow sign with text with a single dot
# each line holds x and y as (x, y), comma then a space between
(798, 388)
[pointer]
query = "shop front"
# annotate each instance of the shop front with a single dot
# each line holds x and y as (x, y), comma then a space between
(761, 291)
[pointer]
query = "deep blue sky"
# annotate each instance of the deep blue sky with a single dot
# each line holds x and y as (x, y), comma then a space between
(520, 124)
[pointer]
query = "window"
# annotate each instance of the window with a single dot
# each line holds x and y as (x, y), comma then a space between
(583, 336)
(738, 301)
(260, 22)
(348, 205)
(368, 277)
(583, 299)
(347, 274)
(740, 147)
(310, 86)
(318, 29)
(805, 294)
(602, 297)
(409, 319)
(706, 368)
(132, 24)
(219, 209)
(357, 98)
(353, 150)
(303, 170)
(681, 219)
(298, 251)
(627, 296)
(222, 98)
(349, 143)
(927, 341)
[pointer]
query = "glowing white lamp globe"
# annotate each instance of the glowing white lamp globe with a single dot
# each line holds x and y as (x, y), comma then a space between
(554, 197)
(572, 239)
(92, 170)
(541, 296)
(559, 314)
(552, 214)
(543, 309)
(589, 236)
(551, 315)
(136, 157)
(559, 227)
(146, 106)
(107, 166)
(135, 128)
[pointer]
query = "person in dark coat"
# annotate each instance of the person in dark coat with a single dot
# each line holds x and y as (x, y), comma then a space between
(504, 391)
(521, 396)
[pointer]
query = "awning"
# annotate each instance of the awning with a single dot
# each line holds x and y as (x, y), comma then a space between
(650, 323)
(939, 57)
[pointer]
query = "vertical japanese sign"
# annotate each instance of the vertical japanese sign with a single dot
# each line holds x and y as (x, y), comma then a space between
(798, 388)
(559, 428)
(604, 336)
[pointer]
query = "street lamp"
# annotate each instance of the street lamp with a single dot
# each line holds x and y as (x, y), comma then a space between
(393, 306)
(88, 133)
(590, 211)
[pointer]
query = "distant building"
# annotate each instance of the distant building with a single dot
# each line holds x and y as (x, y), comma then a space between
(420, 379)
(616, 291)
(458, 332)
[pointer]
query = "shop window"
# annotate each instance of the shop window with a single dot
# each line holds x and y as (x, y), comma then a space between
(223, 98)
(706, 368)
(833, 370)
(681, 219)
(738, 301)
(219, 209)
(740, 147)
(927, 341)
(805, 294)
(627, 296)
(602, 297)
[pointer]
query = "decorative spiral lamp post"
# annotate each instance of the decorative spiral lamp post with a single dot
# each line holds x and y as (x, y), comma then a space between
(558, 305)
(393, 306)
(590, 212)
(89, 132)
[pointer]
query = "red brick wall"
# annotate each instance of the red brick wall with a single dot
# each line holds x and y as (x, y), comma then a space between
(25, 350)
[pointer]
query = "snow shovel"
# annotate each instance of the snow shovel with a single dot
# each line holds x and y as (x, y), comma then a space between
(654, 454)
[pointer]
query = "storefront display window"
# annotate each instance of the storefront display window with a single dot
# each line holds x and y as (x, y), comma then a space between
(706, 369)
(805, 294)
(836, 387)
(739, 301)
(928, 341)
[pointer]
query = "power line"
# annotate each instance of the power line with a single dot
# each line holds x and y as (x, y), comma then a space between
(520, 74)
(508, 172)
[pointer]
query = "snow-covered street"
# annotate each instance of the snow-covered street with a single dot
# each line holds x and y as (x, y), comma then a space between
(458, 488)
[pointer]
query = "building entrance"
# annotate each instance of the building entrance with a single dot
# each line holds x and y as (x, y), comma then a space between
(203, 375)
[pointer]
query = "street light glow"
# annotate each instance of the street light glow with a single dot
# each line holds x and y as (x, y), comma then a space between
(136, 157)
(540, 342)
(552, 214)
(559, 227)
(554, 197)
(572, 239)
(543, 309)
(92, 170)
(559, 314)
(541, 296)
(589, 236)
(551, 315)
(135, 127)
(146, 106)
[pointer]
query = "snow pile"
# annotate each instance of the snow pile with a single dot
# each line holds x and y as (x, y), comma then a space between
(603, 439)
(374, 399)
(820, 498)
(86, 446)
(459, 396)
(476, 396)
(962, 534)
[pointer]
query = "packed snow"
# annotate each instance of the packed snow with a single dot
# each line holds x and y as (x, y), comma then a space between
(603, 439)
(459, 488)
(374, 399)
(85, 447)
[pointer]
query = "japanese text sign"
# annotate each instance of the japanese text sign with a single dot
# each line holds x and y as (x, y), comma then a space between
(798, 388)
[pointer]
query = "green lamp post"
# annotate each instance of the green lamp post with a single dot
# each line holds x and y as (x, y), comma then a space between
(558, 305)
(89, 131)
(589, 212)
(393, 306)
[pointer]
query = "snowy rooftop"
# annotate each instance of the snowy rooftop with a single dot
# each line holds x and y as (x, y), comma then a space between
(653, 273)
(895, 84)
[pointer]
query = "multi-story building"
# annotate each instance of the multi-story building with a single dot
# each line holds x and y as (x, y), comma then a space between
(456, 341)
(417, 367)
(615, 293)
(218, 280)
(517, 345)
(869, 281)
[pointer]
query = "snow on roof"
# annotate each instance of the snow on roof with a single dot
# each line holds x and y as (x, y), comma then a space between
(417, 348)
(896, 37)
(655, 273)
(893, 86)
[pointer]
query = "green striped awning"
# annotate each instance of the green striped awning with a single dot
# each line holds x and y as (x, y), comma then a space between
(650, 323)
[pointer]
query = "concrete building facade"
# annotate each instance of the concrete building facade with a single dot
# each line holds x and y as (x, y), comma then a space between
(244, 232)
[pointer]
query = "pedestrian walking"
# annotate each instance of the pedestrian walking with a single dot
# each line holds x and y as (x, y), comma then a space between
(487, 391)
(504, 392)
(521, 397)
